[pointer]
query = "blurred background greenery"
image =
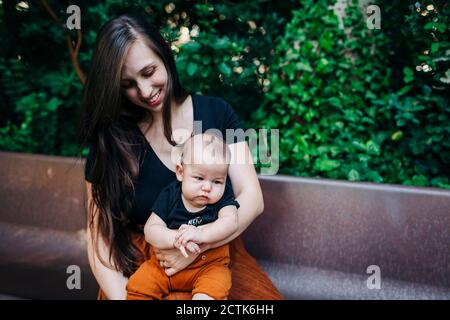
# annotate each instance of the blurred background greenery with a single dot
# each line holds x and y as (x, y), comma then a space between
(350, 102)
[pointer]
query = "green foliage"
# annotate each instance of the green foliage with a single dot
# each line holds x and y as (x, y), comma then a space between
(342, 112)
(35, 60)
(229, 55)
(321, 93)
(417, 109)
(355, 104)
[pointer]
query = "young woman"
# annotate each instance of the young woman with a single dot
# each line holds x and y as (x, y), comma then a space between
(133, 103)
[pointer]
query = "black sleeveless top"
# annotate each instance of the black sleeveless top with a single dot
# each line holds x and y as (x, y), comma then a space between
(214, 113)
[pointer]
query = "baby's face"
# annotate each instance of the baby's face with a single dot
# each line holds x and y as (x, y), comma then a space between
(203, 184)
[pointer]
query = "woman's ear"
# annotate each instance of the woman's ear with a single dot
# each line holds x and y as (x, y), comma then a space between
(179, 172)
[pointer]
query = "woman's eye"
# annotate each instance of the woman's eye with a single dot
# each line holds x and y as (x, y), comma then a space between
(149, 74)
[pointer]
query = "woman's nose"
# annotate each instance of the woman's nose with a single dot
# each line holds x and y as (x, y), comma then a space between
(145, 90)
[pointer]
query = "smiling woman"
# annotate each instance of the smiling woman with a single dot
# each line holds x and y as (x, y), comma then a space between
(143, 76)
(132, 103)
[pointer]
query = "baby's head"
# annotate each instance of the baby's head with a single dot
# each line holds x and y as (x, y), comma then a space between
(203, 169)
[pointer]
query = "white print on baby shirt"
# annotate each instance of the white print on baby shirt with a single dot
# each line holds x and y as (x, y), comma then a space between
(195, 222)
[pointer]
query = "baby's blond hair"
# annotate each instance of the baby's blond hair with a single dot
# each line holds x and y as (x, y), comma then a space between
(209, 147)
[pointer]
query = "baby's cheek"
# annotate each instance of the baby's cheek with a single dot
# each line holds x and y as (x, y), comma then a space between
(218, 193)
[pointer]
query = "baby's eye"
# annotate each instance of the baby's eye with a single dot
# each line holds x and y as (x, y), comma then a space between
(218, 182)
(199, 178)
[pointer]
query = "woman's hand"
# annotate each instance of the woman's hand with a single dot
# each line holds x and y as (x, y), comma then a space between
(172, 260)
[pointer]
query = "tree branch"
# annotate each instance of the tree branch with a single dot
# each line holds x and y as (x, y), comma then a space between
(73, 51)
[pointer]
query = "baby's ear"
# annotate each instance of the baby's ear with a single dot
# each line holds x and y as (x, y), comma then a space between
(179, 172)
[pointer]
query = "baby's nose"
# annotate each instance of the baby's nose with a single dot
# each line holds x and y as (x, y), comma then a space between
(206, 186)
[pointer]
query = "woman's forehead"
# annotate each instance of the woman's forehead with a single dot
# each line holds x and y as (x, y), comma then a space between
(138, 57)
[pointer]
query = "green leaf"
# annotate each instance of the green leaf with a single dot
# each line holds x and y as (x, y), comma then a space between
(434, 47)
(225, 69)
(325, 164)
(420, 180)
(408, 75)
(192, 68)
(396, 135)
(335, 102)
(372, 148)
(303, 66)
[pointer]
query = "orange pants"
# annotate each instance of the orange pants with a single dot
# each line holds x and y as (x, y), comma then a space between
(250, 282)
(209, 274)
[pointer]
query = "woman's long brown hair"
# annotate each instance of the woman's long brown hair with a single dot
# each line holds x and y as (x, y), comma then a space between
(108, 126)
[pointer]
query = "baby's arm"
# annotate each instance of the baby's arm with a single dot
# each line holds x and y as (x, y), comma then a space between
(223, 227)
(157, 234)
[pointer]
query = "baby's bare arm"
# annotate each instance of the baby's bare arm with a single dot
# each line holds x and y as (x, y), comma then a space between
(157, 233)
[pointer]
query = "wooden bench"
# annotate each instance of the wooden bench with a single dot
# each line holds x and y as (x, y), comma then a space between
(316, 237)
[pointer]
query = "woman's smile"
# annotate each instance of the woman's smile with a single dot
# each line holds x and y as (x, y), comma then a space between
(156, 99)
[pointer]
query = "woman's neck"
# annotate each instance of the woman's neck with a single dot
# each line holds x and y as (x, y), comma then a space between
(154, 123)
(157, 117)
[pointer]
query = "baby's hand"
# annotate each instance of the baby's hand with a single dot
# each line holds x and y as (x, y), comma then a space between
(187, 233)
(182, 249)
(193, 247)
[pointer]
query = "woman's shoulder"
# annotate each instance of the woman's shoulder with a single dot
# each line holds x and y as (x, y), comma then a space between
(215, 112)
(213, 107)
(211, 103)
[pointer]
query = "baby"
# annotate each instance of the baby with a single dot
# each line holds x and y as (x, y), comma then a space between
(197, 208)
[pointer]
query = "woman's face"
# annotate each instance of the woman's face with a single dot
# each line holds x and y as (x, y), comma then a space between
(144, 77)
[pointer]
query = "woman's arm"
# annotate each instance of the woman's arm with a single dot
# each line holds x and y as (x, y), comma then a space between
(112, 282)
(246, 189)
(223, 227)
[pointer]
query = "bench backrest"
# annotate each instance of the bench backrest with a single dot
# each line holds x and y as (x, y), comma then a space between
(347, 227)
(319, 223)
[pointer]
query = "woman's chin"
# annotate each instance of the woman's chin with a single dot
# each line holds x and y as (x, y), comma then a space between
(154, 108)
(158, 108)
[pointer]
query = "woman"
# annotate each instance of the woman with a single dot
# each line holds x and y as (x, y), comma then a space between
(133, 103)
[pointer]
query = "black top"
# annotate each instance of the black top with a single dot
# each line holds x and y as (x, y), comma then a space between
(170, 208)
(214, 113)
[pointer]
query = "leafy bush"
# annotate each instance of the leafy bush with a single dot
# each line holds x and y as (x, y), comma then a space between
(36, 66)
(333, 96)
(321, 93)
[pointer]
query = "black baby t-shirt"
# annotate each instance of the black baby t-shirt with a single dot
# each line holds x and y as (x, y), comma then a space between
(170, 208)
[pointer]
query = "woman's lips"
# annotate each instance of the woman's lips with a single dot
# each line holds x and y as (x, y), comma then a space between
(156, 100)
